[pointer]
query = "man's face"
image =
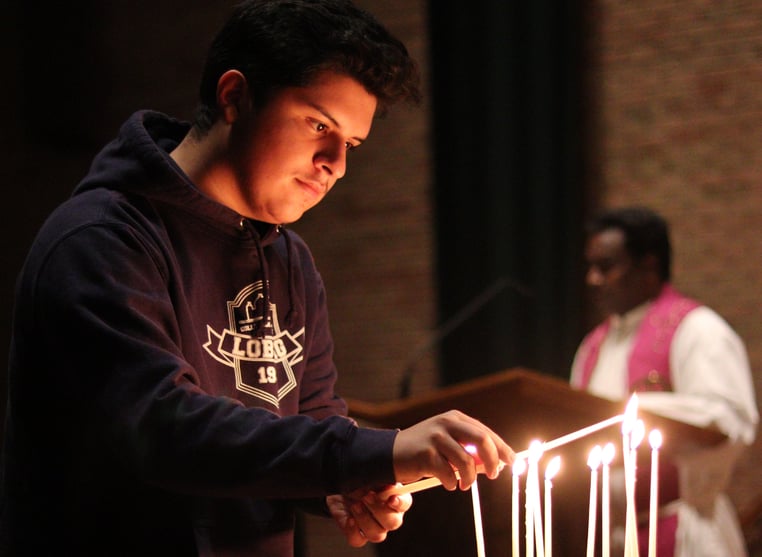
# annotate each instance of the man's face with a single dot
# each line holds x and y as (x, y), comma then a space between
(617, 281)
(287, 155)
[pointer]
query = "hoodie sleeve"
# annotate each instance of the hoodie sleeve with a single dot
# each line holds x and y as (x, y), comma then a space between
(108, 345)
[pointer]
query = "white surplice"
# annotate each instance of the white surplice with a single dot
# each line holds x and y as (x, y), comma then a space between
(712, 388)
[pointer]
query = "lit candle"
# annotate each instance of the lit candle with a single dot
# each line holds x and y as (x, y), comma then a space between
(593, 461)
(539, 538)
(530, 503)
(654, 439)
(519, 467)
(628, 424)
(607, 456)
(638, 433)
(629, 419)
(631, 528)
(550, 471)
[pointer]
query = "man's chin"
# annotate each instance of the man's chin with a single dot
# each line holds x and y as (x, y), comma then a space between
(601, 307)
(292, 218)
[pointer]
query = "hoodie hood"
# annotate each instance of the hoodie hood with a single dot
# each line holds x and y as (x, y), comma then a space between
(138, 162)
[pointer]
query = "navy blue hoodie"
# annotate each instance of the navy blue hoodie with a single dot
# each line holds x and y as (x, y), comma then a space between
(171, 374)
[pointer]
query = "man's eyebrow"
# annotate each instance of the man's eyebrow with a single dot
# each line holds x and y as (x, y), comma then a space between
(333, 120)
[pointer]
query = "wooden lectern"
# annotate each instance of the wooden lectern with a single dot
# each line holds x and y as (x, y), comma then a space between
(521, 406)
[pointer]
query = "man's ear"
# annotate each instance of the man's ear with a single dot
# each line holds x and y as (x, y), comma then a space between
(232, 95)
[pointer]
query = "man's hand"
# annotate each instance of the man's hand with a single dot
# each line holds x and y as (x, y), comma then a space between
(437, 447)
(364, 516)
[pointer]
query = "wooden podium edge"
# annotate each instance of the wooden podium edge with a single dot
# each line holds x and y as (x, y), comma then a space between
(544, 389)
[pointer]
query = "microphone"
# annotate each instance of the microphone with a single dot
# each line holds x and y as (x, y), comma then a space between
(456, 321)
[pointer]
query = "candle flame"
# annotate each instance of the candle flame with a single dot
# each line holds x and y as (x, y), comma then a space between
(654, 439)
(535, 451)
(638, 433)
(519, 466)
(630, 414)
(594, 460)
(553, 467)
(470, 449)
(608, 454)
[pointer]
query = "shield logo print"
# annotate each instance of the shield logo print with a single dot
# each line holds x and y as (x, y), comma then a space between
(261, 354)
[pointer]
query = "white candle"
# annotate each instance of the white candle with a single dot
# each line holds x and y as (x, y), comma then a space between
(530, 502)
(638, 433)
(478, 529)
(607, 456)
(539, 537)
(593, 461)
(528, 520)
(628, 424)
(575, 435)
(519, 467)
(631, 528)
(654, 439)
(550, 472)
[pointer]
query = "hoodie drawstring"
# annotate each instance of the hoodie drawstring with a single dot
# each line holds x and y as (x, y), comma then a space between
(265, 309)
(265, 288)
(290, 266)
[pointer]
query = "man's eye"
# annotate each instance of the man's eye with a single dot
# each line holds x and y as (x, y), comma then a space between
(320, 127)
(349, 146)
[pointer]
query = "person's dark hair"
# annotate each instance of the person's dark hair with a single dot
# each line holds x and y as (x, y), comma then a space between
(285, 43)
(645, 232)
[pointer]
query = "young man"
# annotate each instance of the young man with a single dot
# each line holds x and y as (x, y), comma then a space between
(685, 362)
(171, 377)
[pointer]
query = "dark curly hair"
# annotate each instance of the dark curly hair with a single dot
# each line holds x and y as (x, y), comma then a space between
(645, 233)
(285, 43)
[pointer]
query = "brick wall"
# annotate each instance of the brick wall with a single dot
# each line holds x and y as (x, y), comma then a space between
(372, 240)
(678, 94)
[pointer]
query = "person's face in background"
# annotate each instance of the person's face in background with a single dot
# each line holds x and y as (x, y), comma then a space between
(617, 281)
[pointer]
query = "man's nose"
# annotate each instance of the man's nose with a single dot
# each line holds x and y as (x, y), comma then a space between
(332, 158)
(594, 276)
